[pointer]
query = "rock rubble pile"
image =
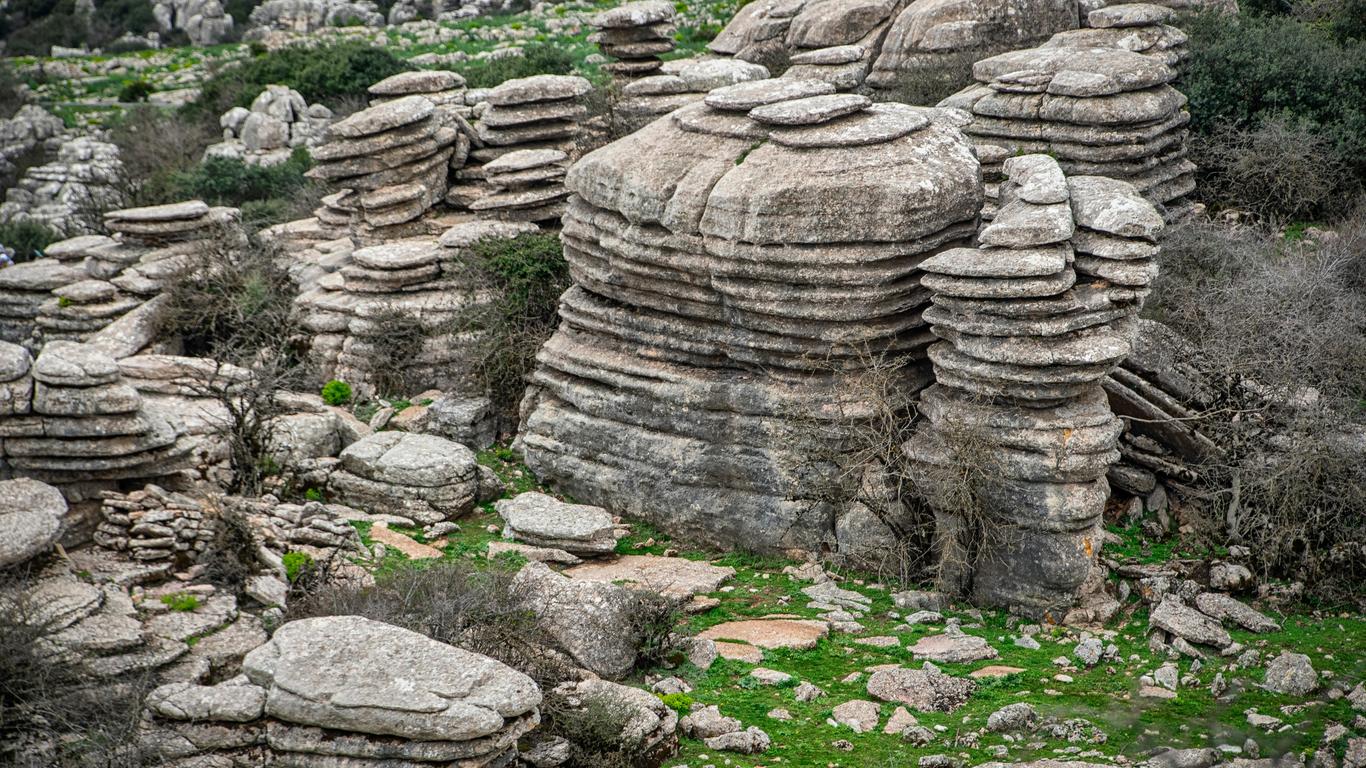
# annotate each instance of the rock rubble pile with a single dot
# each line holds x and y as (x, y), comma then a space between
(1031, 322)
(278, 121)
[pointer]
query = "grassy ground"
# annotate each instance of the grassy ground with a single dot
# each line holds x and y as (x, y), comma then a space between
(1106, 695)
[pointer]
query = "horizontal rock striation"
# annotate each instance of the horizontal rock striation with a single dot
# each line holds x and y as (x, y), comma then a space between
(679, 83)
(736, 265)
(635, 35)
(1099, 111)
(1030, 324)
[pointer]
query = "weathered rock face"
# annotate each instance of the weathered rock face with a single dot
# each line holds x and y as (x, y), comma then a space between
(389, 165)
(635, 35)
(61, 194)
(1030, 324)
(30, 128)
(421, 477)
(204, 21)
(886, 42)
(1138, 27)
(278, 122)
(30, 520)
(735, 264)
(305, 16)
(682, 82)
(931, 34)
(1100, 111)
(355, 311)
(526, 132)
(348, 690)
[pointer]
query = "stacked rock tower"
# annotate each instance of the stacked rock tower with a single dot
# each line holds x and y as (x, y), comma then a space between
(1031, 322)
(635, 35)
(1138, 27)
(736, 264)
(1099, 111)
(388, 165)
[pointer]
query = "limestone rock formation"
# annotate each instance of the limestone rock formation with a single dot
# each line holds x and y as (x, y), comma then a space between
(204, 21)
(388, 165)
(530, 117)
(1139, 27)
(635, 35)
(679, 83)
(30, 520)
(886, 43)
(736, 265)
(1031, 321)
(278, 121)
(75, 420)
(403, 285)
(345, 690)
(1100, 111)
(421, 477)
(29, 129)
(544, 521)
(305, 16)
(62, 194)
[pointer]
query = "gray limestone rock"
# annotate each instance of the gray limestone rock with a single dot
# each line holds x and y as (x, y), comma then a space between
(544, 521)
(31, 515)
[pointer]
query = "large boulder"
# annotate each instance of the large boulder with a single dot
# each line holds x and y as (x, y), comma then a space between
(597, 623)
(30, 520)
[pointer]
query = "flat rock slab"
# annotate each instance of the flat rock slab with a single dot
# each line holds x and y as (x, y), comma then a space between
(384, 117)
(637, 14)
(812, 110)
(536, 554)
(877, 124)
(802, 634)
(672, 576)
(739, 652)
(186, 211)
(994, 670)
(953, 648)
(544, 521)
(71, 364)
(525, 90)
(404, 458)
(743, 97)
(414, 550)
(352, 673)
(421, 81)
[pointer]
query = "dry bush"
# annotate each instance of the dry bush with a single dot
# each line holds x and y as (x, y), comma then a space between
(154, 146)
(1279, 333)
(1277, 170)
(230, 557)
(595, 732)
(51, 715)
(454, 602)
(390, 372)
(234, 304)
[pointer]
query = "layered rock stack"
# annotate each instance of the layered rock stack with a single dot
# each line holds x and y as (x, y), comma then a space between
(635, 35)
(737, 267)
(61, 195)
(414, 284)
(159, 226)
(680, 82)
(153, 524)
(74, 420)
(424, 478)
(542, 112)
(82, 308)
(1031, 322)
(1099, 111)
(389, 165)
(340, 690)
(526, 185)
(25, 288)
(278, 121)
(1138, 27)
(443, 88)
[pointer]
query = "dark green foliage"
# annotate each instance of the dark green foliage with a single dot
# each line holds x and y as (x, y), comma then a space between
(266, 194)
(134, 91)
(32, 27)
(240, 10)
(321, 74)
(336, 392)
(1247, 70)
(536, 59)
(527, 275)
(26, 238)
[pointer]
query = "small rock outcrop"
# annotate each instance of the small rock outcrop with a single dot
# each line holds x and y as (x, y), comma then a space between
(278, 122)
(635, 35)
(1031, 321)
(62, 194)
(421, 477)
(679, 83)
(350, 690)
(716, 254)
(1098, 111)
(544, 521)
(30, 520)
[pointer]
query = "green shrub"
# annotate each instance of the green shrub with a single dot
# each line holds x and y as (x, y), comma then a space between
(678, 702)
(321, 74)
(182, 602)
(336, 392)
(536, 59)
(266, 194)
(134, 91)
(26, 238)
(526, 274)
(296, 563)
(1245, 71)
